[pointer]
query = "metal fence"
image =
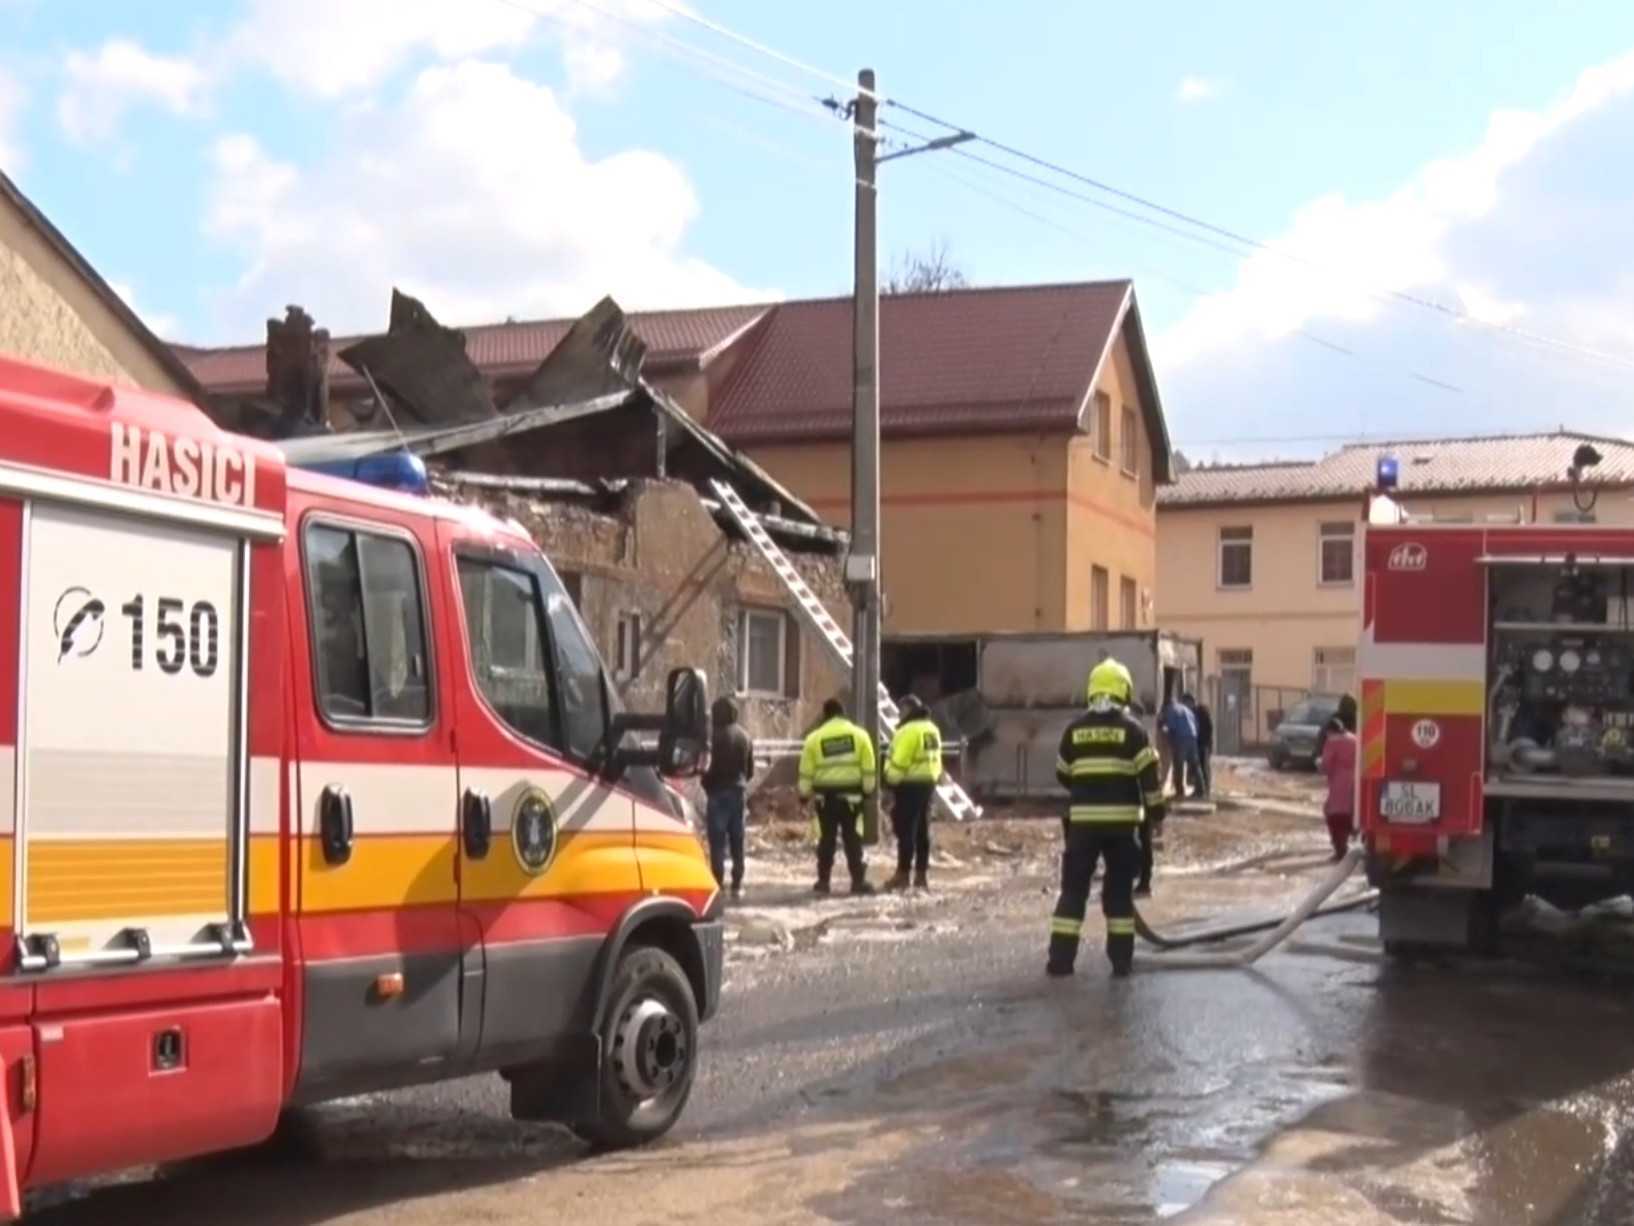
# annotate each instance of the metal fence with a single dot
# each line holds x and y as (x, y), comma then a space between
(1246, 715)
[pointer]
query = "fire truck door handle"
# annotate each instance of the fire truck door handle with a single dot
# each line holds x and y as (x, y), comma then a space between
(477, 820)
(335, 822)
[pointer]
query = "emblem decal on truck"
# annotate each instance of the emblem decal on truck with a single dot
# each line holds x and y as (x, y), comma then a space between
(1409, 555)
(77, 620)
(1426, 734)
(185, 467)
(533, 832)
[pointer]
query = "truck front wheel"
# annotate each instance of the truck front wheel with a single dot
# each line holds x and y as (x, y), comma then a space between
(649, 1050)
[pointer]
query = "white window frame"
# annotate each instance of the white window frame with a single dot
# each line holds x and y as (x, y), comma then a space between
(1102, 437)
(1129, 440)
(1220, 546)
(1322, 671)
(627, 647)
(745, 620)
(1329, 530)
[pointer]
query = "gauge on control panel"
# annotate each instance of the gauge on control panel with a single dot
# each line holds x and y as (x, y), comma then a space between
(1570, 661)
(1543, 660)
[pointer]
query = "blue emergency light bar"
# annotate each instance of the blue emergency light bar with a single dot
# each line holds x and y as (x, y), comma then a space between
(402, 471)
(1389, 472)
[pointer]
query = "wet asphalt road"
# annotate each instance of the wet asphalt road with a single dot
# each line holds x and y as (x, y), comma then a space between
(1324, 1087)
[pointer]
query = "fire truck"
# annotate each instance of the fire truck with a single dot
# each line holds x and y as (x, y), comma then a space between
(308, 788)
(1496, 720)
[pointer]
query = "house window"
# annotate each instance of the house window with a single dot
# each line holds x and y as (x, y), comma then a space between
(1130, 443)
(1236, 557)
(1103, 425)
(368, 627)
(768, 654)
(1100, 584)
(1129, 604)
(1333, 670)
(627, 648)
(1337, 553)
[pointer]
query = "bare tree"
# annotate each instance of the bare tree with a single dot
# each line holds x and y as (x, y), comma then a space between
(931, 271)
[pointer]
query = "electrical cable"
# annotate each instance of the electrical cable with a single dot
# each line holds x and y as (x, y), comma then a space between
(1189, 219)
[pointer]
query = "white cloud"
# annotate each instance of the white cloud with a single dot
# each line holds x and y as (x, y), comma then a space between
(332, 48)
(1340, 258)
(11, 109)
(474, 194)
(103, 86)
(160, 324)
(1196, 89)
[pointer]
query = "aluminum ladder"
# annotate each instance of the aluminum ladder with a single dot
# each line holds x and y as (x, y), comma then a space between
(951, 797)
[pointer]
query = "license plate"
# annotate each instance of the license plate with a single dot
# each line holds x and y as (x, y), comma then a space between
(1410, 802)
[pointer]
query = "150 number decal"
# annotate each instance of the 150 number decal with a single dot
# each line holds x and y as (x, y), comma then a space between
(193, 642)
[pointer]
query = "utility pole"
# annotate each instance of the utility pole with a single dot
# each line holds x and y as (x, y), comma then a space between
(862, 567)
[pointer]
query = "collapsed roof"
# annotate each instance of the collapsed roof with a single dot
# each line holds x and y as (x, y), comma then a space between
(438, 404)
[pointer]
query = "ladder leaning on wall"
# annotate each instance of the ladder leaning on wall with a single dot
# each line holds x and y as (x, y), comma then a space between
(951, 797)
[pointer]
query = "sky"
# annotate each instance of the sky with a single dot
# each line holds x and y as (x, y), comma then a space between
(1438, 196)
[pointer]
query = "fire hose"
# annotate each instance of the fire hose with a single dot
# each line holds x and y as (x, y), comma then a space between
(1281, 928)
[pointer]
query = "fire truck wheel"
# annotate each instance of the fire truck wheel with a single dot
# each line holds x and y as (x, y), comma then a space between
(649, 1050)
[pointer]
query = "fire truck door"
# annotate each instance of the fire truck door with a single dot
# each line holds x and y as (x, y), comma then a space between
(548, 848)
(132, 757)
(378, 895)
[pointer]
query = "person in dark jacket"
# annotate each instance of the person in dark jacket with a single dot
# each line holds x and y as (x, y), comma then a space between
(1205, 740)
(725, 782)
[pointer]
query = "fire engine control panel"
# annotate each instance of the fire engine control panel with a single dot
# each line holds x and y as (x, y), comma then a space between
(1562, 697)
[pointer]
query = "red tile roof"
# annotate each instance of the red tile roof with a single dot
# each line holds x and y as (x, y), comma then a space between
(672, 337)
(966, 361)
(1490, 464)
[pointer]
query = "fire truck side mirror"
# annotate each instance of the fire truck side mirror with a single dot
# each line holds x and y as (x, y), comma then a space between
(335, 824)
(684, 738)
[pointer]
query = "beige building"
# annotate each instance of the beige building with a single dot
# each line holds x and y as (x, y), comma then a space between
(1262, 562)
(55, 310)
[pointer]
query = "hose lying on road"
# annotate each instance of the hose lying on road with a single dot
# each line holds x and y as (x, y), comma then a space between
(1281, 929)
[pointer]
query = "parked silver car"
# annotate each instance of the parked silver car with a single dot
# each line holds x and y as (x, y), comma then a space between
(1298, 739)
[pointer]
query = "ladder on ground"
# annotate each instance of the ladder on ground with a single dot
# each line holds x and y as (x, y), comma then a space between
(814, 613)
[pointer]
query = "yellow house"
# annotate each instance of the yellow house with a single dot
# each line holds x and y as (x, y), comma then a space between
(57, 311)
(1261, 561)
(1023, 443)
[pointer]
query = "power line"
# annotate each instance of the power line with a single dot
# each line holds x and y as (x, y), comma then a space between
(1201, 224)
(1189, 290)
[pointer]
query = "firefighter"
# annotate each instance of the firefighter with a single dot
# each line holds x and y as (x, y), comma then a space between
(837, 769)
(913, 768)
(1110, 768)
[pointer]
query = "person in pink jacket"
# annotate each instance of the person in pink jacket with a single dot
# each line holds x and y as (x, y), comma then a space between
(1339, 765)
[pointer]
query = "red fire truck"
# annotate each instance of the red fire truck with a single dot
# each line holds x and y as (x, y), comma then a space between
(310, 788)
(1497, 721)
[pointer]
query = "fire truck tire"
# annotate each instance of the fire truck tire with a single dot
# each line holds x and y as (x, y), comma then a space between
(649, 1050)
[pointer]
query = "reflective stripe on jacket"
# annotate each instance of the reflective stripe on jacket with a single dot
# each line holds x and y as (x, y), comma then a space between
(916, 753)
(1109, 766)
(837, 757)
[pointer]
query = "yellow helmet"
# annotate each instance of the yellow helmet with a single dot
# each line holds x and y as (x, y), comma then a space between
(1111, 679)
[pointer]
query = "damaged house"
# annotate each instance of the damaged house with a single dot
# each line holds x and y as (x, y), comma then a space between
(609, 475)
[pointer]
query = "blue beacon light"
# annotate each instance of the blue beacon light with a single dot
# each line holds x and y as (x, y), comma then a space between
(402, 471)
(1389, 472)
